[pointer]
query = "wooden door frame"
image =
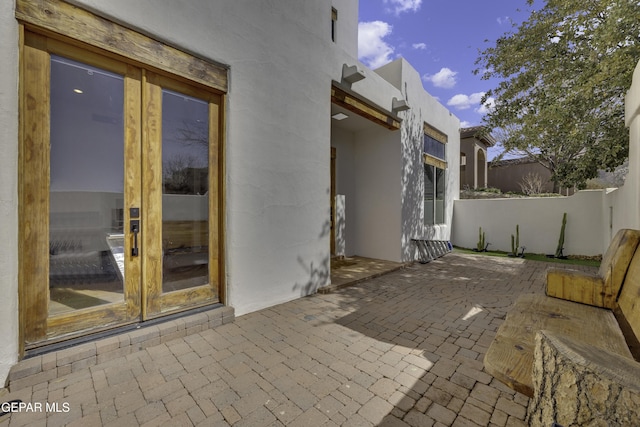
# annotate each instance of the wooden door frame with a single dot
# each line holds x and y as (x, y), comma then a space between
(37, 325)
(155, 303)
(75, 28)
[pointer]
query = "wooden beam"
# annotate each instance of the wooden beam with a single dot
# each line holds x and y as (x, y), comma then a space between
(434, 161)
(61, 18)
(435, 133)
(33, 231)
(362, 108)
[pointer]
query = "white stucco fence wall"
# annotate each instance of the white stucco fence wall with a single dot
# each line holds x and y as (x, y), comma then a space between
(621, 206)
(593, 217)
(540, 221)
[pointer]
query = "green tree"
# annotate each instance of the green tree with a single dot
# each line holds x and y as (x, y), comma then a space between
(564, 74)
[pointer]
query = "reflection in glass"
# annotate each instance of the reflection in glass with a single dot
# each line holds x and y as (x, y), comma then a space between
(440, 195)
(86, 262)
(429, 180)
(185, 195)
(434, 147)
(434, 195)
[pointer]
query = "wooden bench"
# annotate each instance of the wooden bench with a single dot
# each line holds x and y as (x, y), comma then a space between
(600, 289)
(544, 338)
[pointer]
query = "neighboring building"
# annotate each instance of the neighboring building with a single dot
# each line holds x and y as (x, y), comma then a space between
(474, 143)
(518, 175)
(158, 160)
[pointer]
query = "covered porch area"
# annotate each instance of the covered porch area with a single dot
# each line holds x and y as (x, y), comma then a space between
(366, 166)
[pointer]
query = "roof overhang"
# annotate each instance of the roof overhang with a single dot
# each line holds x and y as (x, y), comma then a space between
(349, 100)
(480, 133)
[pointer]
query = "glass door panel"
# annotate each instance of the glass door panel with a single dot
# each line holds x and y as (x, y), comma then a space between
(429, 182)
(440, 195)
(86, 190)
(80, 174)
(185, 191)
(181, 194)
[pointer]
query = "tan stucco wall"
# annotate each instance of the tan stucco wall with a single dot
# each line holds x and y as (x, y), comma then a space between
(474, 174)
(508, 178)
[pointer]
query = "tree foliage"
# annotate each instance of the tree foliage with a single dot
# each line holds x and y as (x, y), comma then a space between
(564, 74)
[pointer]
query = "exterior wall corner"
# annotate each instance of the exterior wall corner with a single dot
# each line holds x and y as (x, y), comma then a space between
(9, 34)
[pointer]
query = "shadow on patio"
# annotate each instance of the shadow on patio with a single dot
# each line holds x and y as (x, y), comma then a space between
(401, 349)
(422, 333)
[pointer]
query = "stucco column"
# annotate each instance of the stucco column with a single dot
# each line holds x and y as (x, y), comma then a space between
(475, 166)
(479, 167)
(485, 179)
(8, 189)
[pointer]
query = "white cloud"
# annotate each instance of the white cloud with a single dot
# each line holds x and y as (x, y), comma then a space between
(420, 46)
(503, 20)
(445, 78)
(404, 5)
(372, 49)
(487, 106)
(465, 124)
(464, 102)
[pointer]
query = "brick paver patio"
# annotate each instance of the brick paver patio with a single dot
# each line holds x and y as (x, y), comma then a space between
(403, 349)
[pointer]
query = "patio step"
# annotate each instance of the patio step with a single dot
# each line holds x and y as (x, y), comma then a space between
(49, 366)
(358, 269)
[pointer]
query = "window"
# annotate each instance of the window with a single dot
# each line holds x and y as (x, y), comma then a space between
(434, 175)
(434, 147)
(334, 24)
(434, 195)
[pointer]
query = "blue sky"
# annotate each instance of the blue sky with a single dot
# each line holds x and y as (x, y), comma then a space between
(441, 39)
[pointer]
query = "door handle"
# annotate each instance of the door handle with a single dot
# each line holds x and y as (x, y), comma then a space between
(135, 229)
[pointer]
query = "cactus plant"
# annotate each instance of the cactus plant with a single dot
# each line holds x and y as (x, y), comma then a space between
(480, 246)
(561, 239)
(515, 241)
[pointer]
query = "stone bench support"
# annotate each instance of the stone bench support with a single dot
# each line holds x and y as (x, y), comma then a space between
(578, 384)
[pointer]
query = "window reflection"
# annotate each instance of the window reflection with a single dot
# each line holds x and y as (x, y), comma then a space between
(429, 181)
(434, 195)
(440, 195)
(86, 186)
(185, 200)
